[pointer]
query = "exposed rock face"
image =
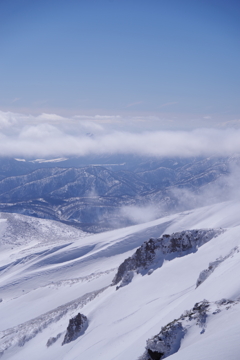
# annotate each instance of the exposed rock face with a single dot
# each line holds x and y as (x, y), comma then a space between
(168, 341)
(213, 265)
(53, 339)
(76, 327)
(153, 252)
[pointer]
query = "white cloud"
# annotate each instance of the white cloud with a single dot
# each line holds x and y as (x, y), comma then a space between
(51, 117)
(7, 120)
(139, 214)
(53, 135)
(16, 99)
(224, 188)
(233, 123)
(40, 132)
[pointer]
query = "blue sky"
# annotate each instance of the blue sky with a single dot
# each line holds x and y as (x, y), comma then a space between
(171, 59)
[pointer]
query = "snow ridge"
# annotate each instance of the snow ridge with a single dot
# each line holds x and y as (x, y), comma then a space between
(153, 252)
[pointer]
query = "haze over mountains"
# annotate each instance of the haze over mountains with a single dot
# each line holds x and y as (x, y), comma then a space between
(103, 192)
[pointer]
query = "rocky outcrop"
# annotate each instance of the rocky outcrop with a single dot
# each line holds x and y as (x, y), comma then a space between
(53, 339)
(76, 327)
(168, 340)
(154, 251)
(213, 265)
(20, 334)
(166, 343)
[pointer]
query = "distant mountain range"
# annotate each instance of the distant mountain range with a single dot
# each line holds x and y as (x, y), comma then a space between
(91, 191)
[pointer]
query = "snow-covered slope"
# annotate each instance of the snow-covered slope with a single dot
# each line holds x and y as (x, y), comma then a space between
(50, 272)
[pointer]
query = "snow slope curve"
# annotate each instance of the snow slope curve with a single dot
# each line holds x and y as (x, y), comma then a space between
(121, 322)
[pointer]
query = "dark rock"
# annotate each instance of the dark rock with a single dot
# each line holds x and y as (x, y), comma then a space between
(166, 343)
(76, 327)
(52, 340)
(155, 355)
(154, 251)
(213, 265)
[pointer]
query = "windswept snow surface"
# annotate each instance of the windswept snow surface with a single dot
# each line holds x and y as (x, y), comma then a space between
(49, 272)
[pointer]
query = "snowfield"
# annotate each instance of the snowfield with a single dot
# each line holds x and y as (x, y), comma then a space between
(187, 308)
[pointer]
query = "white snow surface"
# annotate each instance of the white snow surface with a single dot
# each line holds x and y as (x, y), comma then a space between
(49, 272)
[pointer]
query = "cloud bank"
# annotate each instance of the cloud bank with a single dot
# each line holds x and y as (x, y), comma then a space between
(225, 188)
(50, 135)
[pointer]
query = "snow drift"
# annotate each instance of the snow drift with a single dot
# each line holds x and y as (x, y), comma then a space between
(50, 276)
